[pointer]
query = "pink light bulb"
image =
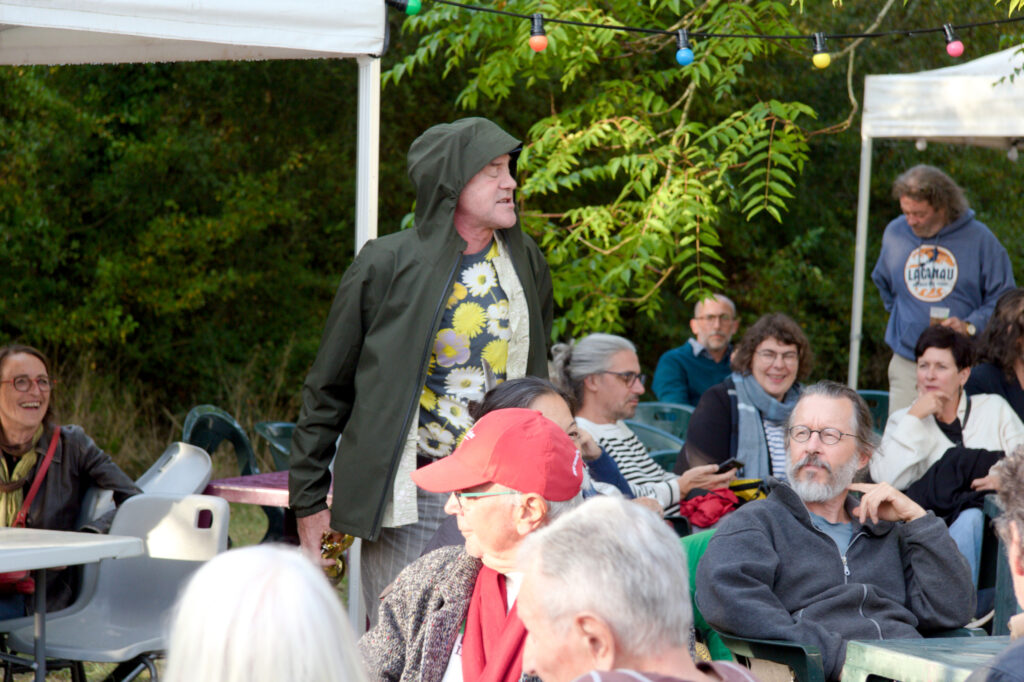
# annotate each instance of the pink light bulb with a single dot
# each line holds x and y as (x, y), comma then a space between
(954, 48)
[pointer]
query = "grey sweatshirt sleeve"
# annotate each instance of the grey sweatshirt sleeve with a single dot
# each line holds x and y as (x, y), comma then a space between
(940, 591)
(734, 594)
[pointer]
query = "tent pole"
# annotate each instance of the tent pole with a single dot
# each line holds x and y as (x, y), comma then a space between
(859, 260)
(368, 156)
(367, 150)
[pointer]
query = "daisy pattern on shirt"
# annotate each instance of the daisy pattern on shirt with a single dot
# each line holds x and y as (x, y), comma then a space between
(479, 278)
(466, 383)
(455, 412)
(469, 319)
(435, 441)
(496, 353)
(497, 320)
(451, 348)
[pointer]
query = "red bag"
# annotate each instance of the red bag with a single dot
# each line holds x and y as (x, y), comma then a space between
(21, 582)
(704, 510)
(17, 582)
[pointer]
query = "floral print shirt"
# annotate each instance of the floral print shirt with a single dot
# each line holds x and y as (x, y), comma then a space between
(475, 327)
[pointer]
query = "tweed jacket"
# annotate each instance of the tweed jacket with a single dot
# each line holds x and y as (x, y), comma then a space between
(419, 617)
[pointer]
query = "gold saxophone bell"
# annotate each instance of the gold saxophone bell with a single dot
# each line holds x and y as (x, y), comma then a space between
(333, 546)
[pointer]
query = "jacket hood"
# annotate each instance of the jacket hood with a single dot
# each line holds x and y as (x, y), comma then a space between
(444, 158)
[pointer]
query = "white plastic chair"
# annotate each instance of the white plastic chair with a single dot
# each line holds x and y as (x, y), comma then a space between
(182, 469)
(123, 619)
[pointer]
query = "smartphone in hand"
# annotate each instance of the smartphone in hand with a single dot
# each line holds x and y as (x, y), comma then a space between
(731, 463)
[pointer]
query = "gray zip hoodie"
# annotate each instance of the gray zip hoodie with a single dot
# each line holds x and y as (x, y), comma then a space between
(768, 573)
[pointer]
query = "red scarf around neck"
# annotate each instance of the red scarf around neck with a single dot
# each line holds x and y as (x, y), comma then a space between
(492, 646)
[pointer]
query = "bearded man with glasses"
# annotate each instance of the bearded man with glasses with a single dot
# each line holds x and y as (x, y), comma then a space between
(815, 564)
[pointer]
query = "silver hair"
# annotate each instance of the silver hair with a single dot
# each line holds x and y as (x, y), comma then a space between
(261, 614)
(615, 559)
(861, 424)
(573, 362)
(555, 509)
(721, 298)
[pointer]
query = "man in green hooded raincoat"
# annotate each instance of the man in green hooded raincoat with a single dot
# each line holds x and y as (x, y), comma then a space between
(418, 319)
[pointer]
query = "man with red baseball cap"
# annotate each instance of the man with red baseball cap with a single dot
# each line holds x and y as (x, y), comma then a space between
(451, 615)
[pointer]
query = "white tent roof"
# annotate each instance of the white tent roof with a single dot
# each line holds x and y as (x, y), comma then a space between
(103, 31)
(973, 103)
(967, 103)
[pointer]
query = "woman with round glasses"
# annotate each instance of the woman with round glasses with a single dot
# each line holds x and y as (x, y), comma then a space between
(28, 430)
(745, 415)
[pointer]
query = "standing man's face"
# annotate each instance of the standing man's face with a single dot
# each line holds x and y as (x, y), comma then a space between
(922, 217)
(487, 200)
(714, 324)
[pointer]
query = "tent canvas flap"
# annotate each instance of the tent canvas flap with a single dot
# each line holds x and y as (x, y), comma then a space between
(98, 31)
(974, 101)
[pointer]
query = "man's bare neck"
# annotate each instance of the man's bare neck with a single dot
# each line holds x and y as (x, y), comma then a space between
(592, 415)
(477, 239)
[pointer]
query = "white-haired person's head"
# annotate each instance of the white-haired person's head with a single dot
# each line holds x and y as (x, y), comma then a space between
(261, 614)
(604, 587)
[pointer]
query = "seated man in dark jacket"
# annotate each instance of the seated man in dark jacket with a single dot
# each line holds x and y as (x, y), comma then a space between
(815, 565)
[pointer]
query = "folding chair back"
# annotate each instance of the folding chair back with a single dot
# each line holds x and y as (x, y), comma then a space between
(125, 617)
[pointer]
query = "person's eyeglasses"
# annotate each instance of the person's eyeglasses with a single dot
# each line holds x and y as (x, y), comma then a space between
(23, 384)
(828, 435)
(628, 377)
(789, 357)
(721, 319)
(459, 495)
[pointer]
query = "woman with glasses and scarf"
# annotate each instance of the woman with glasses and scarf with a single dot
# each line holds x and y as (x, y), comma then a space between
(33, 444)
(744, 417)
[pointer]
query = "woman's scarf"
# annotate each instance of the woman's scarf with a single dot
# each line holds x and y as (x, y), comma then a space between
(754, 404)
(492, 645)
(12, 483)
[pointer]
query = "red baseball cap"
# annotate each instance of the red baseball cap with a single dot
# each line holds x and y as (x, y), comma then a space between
(518, 448)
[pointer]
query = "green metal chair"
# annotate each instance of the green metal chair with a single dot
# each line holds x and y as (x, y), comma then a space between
(672, 418)
(878, 403)
(279, 436)
(662, 446)
(805, 659)
(207, 426)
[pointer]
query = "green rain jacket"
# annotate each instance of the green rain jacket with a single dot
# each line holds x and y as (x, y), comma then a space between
(371, 367)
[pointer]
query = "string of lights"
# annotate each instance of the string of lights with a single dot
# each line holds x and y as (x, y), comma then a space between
(684, 49)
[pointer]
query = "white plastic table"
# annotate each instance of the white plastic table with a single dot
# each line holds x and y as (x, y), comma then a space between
(36, 550)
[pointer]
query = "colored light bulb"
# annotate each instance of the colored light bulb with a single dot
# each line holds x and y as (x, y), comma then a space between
(954, 48)
(684, 53)
(821, 58)
(538, 38)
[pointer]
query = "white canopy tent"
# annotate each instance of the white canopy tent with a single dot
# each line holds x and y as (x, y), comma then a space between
(972, 103)
(112, 31)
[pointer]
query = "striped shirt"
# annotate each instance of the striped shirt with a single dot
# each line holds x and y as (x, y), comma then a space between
(775, 436)
(645, 476)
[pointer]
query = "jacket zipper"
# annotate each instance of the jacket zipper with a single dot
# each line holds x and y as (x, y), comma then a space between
(864, 588)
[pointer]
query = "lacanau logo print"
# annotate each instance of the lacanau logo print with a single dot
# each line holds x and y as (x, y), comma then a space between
(930, 273)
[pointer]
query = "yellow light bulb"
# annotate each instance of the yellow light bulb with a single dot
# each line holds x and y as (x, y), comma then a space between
(822, 59)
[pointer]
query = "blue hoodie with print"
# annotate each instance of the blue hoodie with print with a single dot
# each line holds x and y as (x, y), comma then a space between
(963, 268)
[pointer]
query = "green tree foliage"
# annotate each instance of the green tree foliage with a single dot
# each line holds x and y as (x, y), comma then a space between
(625, 178)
